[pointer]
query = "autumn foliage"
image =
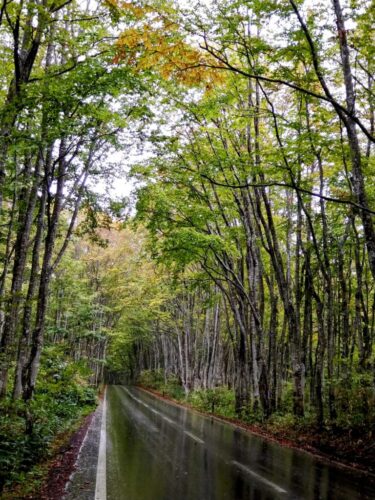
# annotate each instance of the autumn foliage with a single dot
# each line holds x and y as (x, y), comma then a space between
(157, 42)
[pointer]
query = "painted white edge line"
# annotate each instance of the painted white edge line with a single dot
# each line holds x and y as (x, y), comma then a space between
(259, 477)
(101, 471)
(197, 439)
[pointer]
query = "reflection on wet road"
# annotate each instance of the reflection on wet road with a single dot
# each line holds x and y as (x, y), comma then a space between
(158, 451)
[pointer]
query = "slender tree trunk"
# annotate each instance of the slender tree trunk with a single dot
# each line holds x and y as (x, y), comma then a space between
(358, 181)
(20, 376)
(32, 366)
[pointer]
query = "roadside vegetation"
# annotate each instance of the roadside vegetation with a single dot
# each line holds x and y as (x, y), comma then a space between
(30, 433)
(239, 274)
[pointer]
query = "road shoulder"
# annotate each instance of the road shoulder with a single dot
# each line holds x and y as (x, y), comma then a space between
(82, 482)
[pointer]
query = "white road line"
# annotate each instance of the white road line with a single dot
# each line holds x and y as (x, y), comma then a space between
(168, 420)
(156, 412)
(197, 439)
(131, 395)
(142, 403)
(101, 471)
(259, 477)
(136, 399)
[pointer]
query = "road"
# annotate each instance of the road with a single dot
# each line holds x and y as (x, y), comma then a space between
(153, 450)
(147, 449)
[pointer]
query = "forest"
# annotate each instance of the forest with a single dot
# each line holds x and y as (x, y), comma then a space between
(187, 202)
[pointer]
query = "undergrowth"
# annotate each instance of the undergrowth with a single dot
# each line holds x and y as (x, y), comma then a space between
(357, 416)
(28, 431)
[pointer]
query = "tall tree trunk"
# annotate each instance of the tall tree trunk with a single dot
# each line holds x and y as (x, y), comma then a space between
(358, 181)
(23, 346)
(32, 366)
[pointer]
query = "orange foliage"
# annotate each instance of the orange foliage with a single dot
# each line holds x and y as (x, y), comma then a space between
(156, 41)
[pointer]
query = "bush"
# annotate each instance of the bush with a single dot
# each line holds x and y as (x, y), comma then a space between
(154, 379)
(173, 388)
(219, 400)
(62, 396)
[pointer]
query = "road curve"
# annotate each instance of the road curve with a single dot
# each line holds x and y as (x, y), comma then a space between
(158, 451)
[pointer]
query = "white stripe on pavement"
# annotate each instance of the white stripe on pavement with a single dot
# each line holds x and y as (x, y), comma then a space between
(170, 421)
(258, 477)
(197, 439)
(101, 471)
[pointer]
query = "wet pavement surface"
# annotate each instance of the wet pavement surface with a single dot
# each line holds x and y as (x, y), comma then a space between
(158, 451)
(82, 482)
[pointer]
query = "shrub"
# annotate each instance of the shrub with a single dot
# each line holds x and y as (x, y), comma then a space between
(62, 396)
(219, 400)
(154, 379)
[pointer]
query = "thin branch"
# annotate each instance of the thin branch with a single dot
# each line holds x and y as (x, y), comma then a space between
(289, 186)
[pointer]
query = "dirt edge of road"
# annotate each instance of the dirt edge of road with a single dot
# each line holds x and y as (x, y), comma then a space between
(62, 465)
(297, 442)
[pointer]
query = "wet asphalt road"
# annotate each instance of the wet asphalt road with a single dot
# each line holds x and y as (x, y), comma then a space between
(158, 451)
